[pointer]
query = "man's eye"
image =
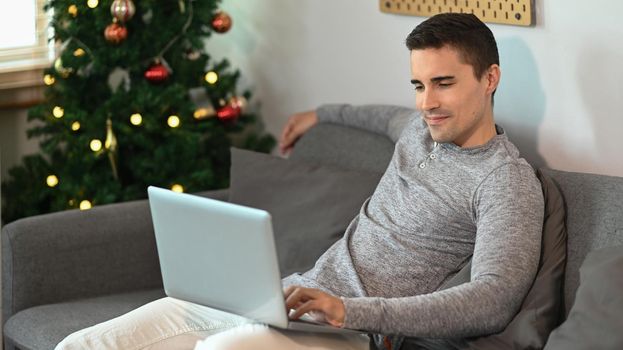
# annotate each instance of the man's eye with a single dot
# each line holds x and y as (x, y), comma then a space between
(419, 88)
(444, 85)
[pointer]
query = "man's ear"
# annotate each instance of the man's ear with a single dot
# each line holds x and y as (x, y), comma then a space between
(492, 76)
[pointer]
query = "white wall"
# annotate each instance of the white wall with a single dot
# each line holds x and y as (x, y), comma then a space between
(559, 99)
(561, 88)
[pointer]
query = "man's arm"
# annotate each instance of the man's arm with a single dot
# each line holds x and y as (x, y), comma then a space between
(382, 119)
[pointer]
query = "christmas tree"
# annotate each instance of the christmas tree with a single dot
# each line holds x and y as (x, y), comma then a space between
(132, 100)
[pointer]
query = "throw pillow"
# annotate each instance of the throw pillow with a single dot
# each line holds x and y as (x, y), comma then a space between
(595, 320)
(311, 204)
(541, 309)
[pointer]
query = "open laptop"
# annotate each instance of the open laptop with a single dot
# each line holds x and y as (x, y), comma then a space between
(222, 255)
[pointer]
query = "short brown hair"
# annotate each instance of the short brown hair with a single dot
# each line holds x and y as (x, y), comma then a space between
(464, 32)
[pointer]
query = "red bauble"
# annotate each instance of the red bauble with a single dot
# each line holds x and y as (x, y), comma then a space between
(221, 22)
(157, 73)
(228, 113)
(115, 33)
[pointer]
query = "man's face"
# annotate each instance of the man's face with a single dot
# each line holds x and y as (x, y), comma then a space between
(455, 105)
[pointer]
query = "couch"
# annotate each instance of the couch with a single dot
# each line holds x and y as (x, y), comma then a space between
(65, 271)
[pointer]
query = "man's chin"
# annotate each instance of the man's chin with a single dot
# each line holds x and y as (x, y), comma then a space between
(439, 137)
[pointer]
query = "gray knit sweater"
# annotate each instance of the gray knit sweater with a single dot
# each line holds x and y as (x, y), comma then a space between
(436, 206)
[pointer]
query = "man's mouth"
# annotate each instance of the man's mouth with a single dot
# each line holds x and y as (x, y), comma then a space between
(436, 119)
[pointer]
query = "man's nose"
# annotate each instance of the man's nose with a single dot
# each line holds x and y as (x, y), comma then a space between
(428, 100)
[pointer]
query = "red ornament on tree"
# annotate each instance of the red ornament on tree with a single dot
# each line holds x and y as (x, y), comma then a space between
(157, 73)
(221, 22)
(228, 113)
(115, 33)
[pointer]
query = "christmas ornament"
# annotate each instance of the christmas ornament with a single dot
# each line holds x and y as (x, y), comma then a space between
(229, 113)
(221, 22)
(204, 113)
(115, 33)
(79, 52)
(157, 73)
(75, 126)
(110, 144)
(173, 121)
(51, 180)
(239, 101)
(62, 71)
(92, 3)
(193, 55)
(122, 10)
(177, 188)
(73, 10)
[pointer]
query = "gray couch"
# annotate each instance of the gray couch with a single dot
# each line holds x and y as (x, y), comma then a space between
(65, 271)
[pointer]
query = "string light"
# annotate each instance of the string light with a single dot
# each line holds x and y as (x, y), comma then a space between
(79, 52)
(211, 77)
(96, 145)
(48, 79)
(75, 126)
(92, 3)
(73, 10)
(136, 119)
(177, 188)
(58, 112)
(173, 121)
(85, 205)
(51, 180)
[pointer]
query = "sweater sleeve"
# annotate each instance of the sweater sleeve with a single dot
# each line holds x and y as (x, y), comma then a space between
(508, 211)
(381, 119)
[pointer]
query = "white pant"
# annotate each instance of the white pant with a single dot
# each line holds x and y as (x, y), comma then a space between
(172, 324)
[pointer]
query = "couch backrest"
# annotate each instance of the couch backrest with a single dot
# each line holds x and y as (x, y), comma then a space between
(594, 206)
(345, 147)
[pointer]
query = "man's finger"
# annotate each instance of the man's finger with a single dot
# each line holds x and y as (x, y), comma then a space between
(295, 297)
(306, 307)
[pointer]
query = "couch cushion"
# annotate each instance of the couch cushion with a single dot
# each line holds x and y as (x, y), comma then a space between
(344, 147)
(594, 219)
(595, 320)
(542, 308)
(311, 204)
(42, 327)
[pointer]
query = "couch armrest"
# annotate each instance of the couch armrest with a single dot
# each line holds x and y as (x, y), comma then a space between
(77, 254)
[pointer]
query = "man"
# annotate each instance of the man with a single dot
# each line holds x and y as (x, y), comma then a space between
(454, 190)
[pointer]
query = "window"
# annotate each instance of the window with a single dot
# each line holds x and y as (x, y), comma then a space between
(24, 46)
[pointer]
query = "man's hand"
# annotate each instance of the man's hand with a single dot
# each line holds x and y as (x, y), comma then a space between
(320, 305)
(296, 126)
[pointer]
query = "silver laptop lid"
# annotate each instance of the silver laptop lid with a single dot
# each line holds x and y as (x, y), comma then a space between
(218, 254)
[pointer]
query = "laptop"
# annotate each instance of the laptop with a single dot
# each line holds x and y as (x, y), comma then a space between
(223, 256)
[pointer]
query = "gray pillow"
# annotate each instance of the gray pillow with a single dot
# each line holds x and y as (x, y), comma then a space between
(595, 320)
(541, 309)
(311, 204)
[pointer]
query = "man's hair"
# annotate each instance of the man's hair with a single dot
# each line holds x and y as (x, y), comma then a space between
(461, 31)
